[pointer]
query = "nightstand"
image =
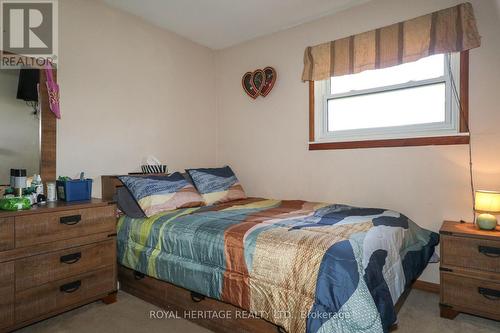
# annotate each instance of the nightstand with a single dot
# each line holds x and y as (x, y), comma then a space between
(54, 258)
(470, 271)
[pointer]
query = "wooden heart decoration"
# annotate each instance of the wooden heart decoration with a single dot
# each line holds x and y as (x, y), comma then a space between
(270, 79)
(259, 82)
(258, 78)
(248, 86)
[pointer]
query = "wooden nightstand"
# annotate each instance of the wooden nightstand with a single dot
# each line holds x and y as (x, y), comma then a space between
(470, 271)
(54, 258)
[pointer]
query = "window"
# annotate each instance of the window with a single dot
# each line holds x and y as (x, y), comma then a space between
(412, 100)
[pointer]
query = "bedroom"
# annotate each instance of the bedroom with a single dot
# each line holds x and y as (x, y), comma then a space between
(163, 79)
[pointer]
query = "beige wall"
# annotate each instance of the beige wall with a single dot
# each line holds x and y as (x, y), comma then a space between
(128, 90)
(266, 140)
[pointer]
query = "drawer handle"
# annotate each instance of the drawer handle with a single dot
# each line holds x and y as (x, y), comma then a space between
(491, 294)
(195, 297)
(139, 275)
(70, 287)
(492, 252)
(70, 220)
(71, 258)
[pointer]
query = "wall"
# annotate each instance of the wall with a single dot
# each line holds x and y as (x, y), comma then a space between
(128, 90)
(266, 140)
(19, 130)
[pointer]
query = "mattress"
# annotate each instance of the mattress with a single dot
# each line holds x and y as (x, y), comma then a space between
(305, 266)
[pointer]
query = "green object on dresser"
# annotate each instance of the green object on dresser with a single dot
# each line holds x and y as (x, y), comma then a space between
(14, 204)
(486, 222)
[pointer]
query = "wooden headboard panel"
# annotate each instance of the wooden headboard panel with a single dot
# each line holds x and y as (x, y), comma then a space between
(109, 184)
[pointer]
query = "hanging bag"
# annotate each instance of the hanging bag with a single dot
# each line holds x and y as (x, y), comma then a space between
(53, 92)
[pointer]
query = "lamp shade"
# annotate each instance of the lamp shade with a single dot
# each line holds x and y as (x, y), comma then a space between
(487, 202)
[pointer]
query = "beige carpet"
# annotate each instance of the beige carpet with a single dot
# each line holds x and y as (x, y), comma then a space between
(419, 314)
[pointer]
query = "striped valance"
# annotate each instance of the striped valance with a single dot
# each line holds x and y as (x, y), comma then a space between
(448, 30)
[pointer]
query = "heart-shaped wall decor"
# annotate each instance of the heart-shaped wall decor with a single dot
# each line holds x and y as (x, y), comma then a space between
(248, 86)
(259, 82)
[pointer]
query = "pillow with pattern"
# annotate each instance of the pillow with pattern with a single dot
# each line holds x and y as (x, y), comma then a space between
(217, 185)
(126, 201)
(159, 195)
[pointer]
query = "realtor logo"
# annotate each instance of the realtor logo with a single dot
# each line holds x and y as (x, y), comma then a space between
(29, 28)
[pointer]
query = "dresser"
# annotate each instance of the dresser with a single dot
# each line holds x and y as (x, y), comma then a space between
(470, 271)
(54, 258)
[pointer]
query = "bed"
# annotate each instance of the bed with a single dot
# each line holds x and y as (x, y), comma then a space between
(302, 266)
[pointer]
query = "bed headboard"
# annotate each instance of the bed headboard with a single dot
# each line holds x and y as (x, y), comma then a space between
(109, 183)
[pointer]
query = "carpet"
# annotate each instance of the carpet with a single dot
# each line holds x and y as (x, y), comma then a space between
(420, 313)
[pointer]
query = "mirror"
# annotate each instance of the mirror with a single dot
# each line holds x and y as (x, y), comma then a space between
(20, 125)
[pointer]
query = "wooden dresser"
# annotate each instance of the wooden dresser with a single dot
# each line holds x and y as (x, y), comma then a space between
(470, 271)
(54, 258)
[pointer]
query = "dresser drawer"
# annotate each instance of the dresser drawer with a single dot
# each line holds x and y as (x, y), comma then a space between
(48, 227)
(472, 294)
(56, 295)
(6, 294)
(41, 269)
(6, 233)
(480, 254)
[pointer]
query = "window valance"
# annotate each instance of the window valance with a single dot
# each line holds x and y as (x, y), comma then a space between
(449, 30)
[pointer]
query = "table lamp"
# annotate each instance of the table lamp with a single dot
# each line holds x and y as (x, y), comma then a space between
(487, 203)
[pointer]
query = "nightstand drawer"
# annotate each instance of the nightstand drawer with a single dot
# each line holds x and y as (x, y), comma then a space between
(480, 254)
(6, 294)
(38, 270)
(475, 295)
(6, 233)
(49, 227)
(56, 295)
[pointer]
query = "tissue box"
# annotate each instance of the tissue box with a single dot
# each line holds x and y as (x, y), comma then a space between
(154, 168)
(74, 190)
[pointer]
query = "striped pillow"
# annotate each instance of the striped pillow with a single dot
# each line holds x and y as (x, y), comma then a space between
(217, 185)
(159, 195)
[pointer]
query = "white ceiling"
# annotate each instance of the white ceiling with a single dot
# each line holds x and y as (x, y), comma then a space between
(218, 24)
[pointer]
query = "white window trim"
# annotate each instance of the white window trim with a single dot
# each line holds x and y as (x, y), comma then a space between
(450, 127)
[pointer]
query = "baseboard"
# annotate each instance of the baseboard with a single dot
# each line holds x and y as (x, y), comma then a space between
(426, 286)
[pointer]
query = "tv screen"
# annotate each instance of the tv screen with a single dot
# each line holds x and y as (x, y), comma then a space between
(27, 87)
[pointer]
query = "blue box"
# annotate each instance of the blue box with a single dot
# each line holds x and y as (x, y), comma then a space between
(74, 190)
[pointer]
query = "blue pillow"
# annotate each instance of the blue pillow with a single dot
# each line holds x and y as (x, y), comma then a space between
(217, 185)
(158, 194)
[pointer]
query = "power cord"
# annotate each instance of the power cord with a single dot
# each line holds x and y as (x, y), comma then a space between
(467, 127)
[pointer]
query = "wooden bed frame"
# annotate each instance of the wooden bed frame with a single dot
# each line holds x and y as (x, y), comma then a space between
(180, 302)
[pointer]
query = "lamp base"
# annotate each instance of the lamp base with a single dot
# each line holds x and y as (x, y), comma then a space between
(486, 222)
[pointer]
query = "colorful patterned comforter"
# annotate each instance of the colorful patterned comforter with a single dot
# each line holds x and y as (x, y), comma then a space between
(305, 266)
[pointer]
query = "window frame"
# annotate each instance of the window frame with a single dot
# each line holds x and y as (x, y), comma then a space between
(457, 132)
